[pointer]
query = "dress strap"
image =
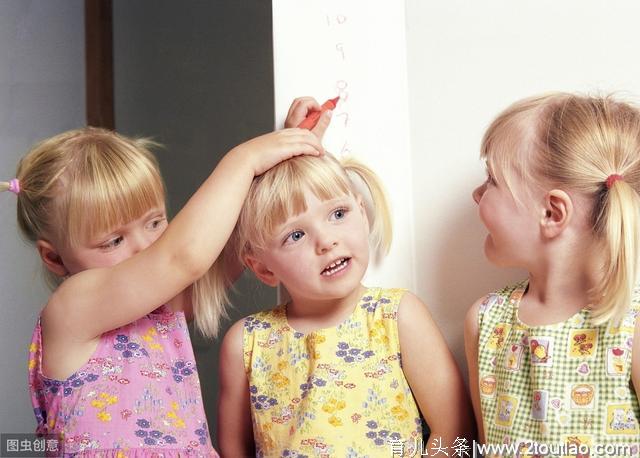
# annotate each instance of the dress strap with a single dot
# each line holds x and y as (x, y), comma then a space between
(35, 380)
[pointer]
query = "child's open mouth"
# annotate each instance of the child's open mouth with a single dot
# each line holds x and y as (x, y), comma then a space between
(335, 267)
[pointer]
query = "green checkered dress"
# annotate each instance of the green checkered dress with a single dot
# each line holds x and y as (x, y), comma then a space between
(564, 383)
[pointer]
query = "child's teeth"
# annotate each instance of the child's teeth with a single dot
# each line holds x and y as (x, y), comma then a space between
(334, 267)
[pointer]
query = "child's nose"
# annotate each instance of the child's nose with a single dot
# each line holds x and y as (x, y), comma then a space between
(139, 242)
(326, 243)
(478, 192)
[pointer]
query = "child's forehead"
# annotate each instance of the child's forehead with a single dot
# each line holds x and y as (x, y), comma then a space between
(127, 221)
(312, 198)
(314, 205)
(100, 224)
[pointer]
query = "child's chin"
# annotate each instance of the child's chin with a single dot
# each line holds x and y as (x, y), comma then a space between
(500, 262)
(489, 251)
(493, 257)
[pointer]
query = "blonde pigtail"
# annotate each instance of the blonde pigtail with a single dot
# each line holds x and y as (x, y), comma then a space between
(369, 185)
(210, 299)
(619, 225)
(12, 185)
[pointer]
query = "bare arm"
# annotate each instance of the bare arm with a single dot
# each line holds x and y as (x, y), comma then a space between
(441, 394)
(182, 254)
(235, 430)
(471, 334)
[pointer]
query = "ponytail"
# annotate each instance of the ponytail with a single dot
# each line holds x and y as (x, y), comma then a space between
(209, 296)
(369, 186)
(12, 185)
(619, 227)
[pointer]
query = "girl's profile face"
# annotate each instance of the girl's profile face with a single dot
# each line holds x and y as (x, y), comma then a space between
(513, 225)
(119, 244)
(322, 253)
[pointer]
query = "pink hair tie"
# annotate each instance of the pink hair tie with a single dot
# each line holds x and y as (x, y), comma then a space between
(14, 186)
(612, 179)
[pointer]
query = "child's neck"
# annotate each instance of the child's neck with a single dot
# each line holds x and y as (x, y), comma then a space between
(555, 293)
(561, 273)
(307, 315)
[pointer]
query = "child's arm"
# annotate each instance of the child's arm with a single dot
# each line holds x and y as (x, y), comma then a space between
(235, 430)
(471, 334)
(97, 300)
(433, 375)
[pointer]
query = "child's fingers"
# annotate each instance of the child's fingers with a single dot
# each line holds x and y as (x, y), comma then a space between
(299, 146)
(304, 148)
(307, 137)
(299, 110)
(272, 148)
(323, 123)
(306, 103)
(292, 109)
(292, 139)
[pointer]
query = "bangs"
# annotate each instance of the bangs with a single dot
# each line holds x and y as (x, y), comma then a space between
(109, 186)
(279, 194)
(500, 150)
(511, 141)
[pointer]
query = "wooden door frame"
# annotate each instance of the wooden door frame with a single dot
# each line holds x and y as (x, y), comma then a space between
(98, 16)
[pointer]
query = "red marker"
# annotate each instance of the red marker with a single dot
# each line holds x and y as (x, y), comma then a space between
(312, 118)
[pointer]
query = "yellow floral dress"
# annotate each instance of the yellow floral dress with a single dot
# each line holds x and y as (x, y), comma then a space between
(335, 392)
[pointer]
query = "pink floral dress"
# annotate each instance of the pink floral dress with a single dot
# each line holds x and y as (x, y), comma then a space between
(137, 396)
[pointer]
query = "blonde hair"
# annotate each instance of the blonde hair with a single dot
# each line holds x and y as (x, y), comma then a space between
(279, 194)
(577, 142)
(84, 182)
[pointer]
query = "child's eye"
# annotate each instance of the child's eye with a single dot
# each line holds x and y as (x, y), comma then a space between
(113, 243)
(294, 237)
(339, 213)
(156, 223)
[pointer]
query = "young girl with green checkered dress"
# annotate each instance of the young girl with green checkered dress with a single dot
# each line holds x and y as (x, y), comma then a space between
(552, 360)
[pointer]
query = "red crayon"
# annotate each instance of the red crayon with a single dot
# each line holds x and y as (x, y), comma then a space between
(312, 118)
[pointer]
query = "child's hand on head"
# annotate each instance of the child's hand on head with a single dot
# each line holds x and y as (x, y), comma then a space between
(269, 149)
(301, 108)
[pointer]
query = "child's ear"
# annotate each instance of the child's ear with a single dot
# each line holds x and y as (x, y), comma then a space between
(51, 258)
(261, 271)
(558, 211)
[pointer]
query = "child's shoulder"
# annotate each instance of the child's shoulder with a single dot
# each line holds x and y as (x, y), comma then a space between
(492, 301)
(248, 327)
(264, 320)
(505, 295)
(385, 295)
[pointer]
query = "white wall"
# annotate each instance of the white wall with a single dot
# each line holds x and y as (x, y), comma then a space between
(41, 94)
(465, 61)
(342, 54)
